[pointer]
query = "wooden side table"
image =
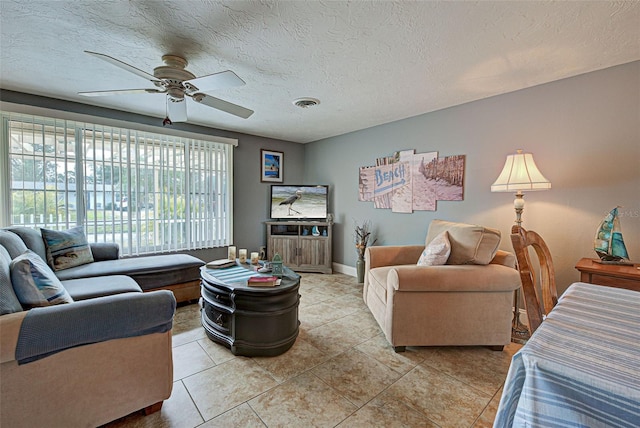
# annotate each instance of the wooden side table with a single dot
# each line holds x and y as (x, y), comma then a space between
(610, 275)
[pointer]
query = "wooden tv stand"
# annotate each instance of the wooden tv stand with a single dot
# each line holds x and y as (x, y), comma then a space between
(300, 250)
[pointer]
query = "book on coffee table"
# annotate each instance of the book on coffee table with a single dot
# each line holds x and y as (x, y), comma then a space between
(221, 263)
(263, 281)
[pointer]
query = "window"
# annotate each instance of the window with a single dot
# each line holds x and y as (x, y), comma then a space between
(146, 191)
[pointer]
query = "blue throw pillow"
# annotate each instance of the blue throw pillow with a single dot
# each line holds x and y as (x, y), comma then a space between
(66, 248)
(34, 282)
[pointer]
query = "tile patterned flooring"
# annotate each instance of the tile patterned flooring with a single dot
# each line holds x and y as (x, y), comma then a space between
(341, 372)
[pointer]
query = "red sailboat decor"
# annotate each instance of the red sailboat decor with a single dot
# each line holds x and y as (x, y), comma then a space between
(608, 242)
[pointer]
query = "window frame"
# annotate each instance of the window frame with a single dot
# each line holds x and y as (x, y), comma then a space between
(200, 144)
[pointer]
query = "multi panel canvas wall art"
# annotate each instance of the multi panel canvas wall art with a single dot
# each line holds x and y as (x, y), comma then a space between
(407, 181)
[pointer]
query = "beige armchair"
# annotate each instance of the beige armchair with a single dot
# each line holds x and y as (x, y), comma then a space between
(467, 301)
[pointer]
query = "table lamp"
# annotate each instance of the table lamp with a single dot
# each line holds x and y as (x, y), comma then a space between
(519, 173)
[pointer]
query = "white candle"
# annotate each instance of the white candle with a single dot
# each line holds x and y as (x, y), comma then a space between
(254, 258)
(243, 255)
(231, 254)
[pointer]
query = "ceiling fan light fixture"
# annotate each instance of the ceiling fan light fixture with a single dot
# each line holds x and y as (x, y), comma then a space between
(306, 102)
(172, 79)
(176, 94)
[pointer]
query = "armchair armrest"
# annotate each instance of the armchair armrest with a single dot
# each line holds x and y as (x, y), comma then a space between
(9, 331)
(105, 251)
(52, 329)
(392, 255)
(492, 277)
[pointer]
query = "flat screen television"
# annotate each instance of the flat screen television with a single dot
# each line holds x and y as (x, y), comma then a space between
(297, 202)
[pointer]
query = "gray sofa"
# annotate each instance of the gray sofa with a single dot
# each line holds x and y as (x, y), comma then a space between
(84, 363)
(179, 273)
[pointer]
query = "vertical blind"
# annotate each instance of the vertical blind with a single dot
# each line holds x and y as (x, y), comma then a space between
(148, 192)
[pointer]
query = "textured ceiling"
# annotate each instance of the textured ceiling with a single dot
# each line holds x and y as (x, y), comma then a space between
(368, 62)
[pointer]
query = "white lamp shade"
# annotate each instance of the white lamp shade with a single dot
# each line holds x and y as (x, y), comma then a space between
(520, 173)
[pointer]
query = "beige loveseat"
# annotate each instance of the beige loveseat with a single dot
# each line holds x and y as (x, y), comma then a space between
(467, 301)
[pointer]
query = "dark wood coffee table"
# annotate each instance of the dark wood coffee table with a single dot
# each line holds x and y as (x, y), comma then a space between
(251, 321)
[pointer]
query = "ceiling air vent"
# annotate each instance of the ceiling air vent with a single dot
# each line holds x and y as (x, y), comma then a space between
(306, 102)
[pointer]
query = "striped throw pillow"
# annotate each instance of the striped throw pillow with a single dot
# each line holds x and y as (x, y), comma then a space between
(34, 282)
(66, 248)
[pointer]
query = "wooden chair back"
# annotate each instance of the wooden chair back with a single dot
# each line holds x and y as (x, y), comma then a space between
(536, 308)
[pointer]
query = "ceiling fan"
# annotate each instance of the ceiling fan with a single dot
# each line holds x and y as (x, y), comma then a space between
(172, 79)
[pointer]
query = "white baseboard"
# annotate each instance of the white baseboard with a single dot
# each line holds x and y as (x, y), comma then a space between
(347, 270)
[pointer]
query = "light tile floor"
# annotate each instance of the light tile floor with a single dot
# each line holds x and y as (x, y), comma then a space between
(341, 372)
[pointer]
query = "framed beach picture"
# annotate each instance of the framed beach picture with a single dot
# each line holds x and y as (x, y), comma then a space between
(271, 166)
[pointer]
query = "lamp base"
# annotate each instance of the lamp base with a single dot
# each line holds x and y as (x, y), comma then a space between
(519, 332)
(518, 205)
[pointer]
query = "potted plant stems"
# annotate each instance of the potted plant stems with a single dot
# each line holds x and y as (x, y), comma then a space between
(362, 237)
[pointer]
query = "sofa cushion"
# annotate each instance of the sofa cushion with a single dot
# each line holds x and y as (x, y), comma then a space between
(12, 243)
(437, 251)
(470, 244)
(34, 282)
(149, 272)
(32, 238)
(9, 302)
(99, 286)
(66, 248)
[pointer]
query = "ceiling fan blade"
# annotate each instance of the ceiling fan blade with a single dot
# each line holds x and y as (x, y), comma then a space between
(224, 79)
(120, 92)
(177, 109)
(225, 106)
(124, 66)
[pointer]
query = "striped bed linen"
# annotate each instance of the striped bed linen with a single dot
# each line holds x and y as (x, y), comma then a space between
(581, 368)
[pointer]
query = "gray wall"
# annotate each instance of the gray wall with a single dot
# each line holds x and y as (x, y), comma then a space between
(251, 197)
(584, 133)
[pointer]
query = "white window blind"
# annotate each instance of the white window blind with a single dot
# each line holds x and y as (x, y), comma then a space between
(148, 192)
